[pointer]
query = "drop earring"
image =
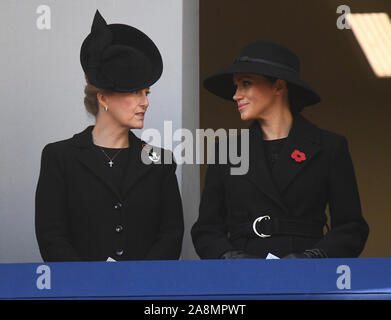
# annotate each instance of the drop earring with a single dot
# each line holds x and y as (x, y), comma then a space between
(105, 108)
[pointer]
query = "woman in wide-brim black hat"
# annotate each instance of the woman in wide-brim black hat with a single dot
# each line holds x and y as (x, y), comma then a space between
(104, 194)
(295, 171)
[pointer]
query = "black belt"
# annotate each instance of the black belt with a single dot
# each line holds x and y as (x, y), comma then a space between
(266, 226)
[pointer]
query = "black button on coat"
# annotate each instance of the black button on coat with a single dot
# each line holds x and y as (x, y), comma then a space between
(77, 209)
(297, 191)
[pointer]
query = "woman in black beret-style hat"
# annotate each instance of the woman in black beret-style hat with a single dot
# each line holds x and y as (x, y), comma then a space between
(104, 194)
(295, 170)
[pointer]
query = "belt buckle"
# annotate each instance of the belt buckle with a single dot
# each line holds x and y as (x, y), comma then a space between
(259, 219)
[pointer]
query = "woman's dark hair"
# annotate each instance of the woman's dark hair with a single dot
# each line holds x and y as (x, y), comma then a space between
(291, 89)
(90, 99)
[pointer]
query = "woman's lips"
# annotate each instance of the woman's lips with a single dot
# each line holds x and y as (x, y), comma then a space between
(140, 114)
(242, 106)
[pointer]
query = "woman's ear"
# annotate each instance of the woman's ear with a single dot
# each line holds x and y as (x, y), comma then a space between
(102, 99)
(280, 86)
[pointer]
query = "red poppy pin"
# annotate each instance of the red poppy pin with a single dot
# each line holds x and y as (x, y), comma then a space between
(298, 156)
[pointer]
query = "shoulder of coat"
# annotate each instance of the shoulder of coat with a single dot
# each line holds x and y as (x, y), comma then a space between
(58, 145)
(331, 141)
(331, 137)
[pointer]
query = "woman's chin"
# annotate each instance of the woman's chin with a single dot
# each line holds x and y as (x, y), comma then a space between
(244, 116)
(137, 124)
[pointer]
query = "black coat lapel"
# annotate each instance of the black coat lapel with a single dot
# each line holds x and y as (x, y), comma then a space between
(88, 157)
(259, 172)
(304, 137)
(136, 168)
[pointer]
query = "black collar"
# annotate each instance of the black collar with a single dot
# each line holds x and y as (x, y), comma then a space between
(301, 129)
(87, 156)
(84, 139)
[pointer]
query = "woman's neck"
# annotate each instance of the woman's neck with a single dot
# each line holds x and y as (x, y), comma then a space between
(277, 124)
(110, 136)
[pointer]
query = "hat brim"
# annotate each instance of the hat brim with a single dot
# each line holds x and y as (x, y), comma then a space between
(221, 83)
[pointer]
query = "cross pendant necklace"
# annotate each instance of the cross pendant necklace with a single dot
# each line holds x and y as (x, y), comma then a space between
(111, 163)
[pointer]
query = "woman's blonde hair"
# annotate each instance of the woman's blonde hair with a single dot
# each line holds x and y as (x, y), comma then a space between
(91, 97)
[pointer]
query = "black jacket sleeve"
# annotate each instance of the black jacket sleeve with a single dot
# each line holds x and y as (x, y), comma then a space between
(168, 241)
(349, 230)
(209, 233)
(51, 226)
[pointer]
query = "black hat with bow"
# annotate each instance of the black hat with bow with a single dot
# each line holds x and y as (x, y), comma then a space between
(119, 57)
(269, 59)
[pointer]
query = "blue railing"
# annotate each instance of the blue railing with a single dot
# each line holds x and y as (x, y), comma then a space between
(364, 278)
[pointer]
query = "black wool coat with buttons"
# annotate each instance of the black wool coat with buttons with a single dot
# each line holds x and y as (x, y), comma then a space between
(295, 192)
(80, 216)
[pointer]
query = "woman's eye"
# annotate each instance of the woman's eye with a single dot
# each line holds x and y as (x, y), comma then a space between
(148, 93)
(246, 83)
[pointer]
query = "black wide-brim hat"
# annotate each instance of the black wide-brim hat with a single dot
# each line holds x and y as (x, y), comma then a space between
(269, 59)
(119, 58)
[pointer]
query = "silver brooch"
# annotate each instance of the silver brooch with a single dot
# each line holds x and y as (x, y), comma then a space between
(152, 155)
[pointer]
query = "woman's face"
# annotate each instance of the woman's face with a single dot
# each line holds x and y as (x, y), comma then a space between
(254, 95)
(127, 109)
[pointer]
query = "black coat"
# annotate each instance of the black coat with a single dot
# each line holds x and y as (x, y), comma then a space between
(78, 211)
(294, 195)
